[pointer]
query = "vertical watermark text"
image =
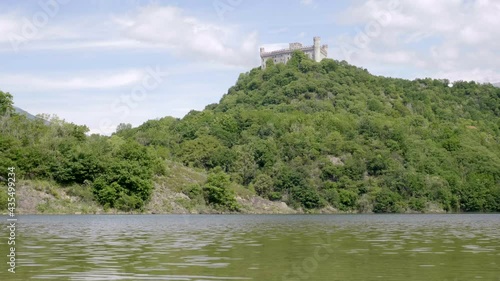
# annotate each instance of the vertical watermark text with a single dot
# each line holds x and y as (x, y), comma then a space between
(11, 219)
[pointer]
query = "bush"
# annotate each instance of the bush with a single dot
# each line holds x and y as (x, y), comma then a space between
(193, 191)
(105, 193)
(417, 204)
(347, 199)
(274, 196)
(127, 179)
(82, 191)
(263, 185)
(128, 202)
(386, 201)
(307, 197)
(332, 197)
(217, 192)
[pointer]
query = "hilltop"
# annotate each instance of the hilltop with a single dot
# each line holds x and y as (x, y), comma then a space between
(324, 136)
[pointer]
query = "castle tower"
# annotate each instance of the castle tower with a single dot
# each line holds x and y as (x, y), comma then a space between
(317, 47)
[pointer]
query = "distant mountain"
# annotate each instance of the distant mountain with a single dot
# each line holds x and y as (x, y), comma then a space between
(28, 115)
(25, 113)
(497, 84)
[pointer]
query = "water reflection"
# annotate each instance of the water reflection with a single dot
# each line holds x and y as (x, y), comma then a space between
(234, 247)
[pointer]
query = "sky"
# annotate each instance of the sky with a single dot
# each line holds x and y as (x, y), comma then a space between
(102, 63)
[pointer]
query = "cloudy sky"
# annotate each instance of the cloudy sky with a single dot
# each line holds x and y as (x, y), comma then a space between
(101, 63)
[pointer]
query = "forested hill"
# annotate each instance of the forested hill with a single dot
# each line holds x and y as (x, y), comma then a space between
(314, 135)
(318, 134)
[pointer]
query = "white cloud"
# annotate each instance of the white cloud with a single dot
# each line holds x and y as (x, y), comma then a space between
(72, 45)
(152, 27)
(103, 80)
(190, 37)
(8, 25)
(18, 31)
(476, 74)
(452, 37)
(306, 2)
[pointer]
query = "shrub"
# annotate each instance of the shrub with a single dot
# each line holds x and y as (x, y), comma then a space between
(386, 201)
(193, 191)
(347, 199)
(218, 193)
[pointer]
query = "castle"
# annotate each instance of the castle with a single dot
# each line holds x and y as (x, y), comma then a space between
(315, 52)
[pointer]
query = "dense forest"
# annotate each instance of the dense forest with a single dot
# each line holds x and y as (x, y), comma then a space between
(310, 134)
(120, 172)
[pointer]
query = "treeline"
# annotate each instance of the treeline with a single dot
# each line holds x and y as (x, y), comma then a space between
(119, 171)
(318, 134)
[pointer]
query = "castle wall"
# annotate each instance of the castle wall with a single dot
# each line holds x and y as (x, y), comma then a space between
(315, 52)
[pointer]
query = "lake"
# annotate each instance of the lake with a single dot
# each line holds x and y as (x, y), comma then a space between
(255, 247)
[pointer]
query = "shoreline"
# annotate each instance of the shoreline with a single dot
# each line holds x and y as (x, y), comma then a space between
(44, 198)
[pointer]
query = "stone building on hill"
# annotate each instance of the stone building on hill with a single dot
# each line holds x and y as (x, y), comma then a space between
(315, 52)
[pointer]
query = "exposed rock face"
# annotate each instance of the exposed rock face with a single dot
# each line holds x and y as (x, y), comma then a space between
(38, 198)
(259, 205)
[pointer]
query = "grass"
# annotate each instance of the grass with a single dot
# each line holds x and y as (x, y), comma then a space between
(179, 176)
(242, 191)
(84, 192)
(62, 200)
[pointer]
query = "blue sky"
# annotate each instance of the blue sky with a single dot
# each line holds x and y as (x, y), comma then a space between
(101, 63)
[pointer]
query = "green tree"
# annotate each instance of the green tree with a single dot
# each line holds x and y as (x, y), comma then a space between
(6, 103)
(218, 192)
(127, 182)
(387, 202)
(263, 185)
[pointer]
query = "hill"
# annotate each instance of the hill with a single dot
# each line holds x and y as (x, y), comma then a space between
(331, 134)
(59, 169)
(322, 136)
(25, 113)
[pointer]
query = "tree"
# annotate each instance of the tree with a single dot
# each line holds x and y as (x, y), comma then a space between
(218, 193)
(6, 103)
(204, 152)
(386, 202)
(123, 127)
(297, 58)
(127, 181)
(263, 185)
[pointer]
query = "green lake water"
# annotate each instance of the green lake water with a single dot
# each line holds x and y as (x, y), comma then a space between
(253, 247)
